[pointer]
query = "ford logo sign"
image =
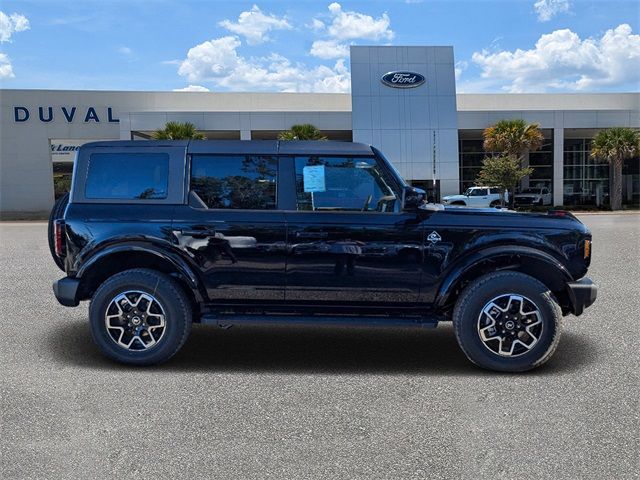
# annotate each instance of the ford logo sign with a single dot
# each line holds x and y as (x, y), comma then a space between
(402, 79)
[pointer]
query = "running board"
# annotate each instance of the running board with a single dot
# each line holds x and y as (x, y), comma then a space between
(226, 320)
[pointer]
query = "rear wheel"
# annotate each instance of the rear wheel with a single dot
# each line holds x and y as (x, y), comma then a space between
(140, 317)
(507, 321)
(56, 213)
(494, 204)
(458, 204)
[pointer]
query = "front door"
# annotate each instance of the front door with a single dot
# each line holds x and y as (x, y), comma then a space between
(348, 241)
(232, 228)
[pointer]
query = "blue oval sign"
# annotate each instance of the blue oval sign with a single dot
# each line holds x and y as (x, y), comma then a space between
(402, 79)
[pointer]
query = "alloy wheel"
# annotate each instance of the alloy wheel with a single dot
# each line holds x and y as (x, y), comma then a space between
(510, 325)
(135, 320)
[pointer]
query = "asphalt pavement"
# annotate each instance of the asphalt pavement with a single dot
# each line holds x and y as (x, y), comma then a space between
(316, 402)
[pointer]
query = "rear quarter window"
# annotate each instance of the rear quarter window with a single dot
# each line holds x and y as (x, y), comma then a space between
(127, 176)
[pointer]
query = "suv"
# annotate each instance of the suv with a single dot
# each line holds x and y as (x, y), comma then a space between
(476, 197)
(533, 196)
(161, 234)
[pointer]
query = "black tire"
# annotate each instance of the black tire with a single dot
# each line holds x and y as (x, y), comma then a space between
(169, 295)
(459, 204)
(469, 308)
(56, 213)
(494, 204)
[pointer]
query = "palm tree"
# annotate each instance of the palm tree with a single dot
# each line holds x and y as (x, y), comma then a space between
(615, 145)
(178, 131)
(513, 139)
(304, 131)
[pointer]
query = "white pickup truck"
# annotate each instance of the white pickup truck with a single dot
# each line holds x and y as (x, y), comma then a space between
(476, 197)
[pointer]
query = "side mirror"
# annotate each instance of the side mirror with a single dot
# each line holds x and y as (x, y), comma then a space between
(412, 198)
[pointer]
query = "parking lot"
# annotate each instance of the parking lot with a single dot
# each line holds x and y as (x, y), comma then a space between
(316, 402)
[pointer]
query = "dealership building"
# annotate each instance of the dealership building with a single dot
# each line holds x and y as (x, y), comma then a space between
(432, 134)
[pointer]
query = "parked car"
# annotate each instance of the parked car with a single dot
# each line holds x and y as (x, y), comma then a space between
(158, 235)
(533, 196)
(484, 197)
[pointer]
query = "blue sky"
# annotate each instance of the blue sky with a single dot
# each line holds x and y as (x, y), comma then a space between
(499, 46)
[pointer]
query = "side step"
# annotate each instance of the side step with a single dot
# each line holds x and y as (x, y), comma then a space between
(227, 320)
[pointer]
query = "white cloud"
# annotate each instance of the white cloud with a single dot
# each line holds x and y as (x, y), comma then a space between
(351, 25)
(547, 9)
(328, 49)
(10, 24)
(6, 70)
(254, 24)
(192, 88)
(316, 25)
(125, 51)
(562, 61)
(218, 61)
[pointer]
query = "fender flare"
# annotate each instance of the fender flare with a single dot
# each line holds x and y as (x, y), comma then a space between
(175, 260)
(464, 265)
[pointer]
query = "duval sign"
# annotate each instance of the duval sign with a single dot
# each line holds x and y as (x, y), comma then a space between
(402, 79)
(68, 114)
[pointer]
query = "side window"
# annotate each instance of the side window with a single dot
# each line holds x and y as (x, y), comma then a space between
(124, 176)
(345, 184)
(478, 192)
(545, 191)
(237, 182)
(494, 191)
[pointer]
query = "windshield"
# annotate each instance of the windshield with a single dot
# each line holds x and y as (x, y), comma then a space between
(531, 190)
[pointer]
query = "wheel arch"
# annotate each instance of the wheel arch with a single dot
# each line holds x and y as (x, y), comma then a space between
(116, 259)
(531, 261)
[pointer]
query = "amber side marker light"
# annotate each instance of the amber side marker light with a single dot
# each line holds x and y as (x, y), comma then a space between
(587, 248)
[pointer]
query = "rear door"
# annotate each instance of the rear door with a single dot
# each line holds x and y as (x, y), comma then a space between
(232, 228)
(348, 240)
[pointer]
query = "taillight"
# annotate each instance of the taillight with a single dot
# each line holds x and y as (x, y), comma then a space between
(58, 235)
(587, 248)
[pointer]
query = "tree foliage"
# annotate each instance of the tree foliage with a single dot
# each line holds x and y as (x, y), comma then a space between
(304, 131)
(513, 138)
(615, 145)
(504, 172)
(178, 131)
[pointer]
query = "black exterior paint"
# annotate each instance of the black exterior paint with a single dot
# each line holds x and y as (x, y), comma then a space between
(284, 260)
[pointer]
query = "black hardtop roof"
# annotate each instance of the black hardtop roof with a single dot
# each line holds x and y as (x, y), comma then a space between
(263, 147)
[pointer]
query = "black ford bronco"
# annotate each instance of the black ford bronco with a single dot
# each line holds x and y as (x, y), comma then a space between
(161, 234)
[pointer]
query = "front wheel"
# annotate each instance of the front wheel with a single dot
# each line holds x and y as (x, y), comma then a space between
(140, 317)
(508, 322)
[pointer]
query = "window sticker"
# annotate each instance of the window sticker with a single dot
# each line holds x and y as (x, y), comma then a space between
(313, 178)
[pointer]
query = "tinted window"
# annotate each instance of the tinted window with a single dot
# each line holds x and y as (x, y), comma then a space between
(127, 176)
(494, 191)
(239, 182)
(344, 183)
(477, 192)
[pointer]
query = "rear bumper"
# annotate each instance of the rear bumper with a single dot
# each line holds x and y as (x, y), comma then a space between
(582, 294)
(66, 291)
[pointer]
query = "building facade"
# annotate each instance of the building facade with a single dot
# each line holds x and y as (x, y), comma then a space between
(403, 101)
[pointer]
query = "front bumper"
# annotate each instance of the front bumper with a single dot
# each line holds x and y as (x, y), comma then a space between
(582, 294)
(66, 291)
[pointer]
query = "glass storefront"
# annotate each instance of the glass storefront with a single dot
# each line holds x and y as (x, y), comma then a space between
(472, 153)
(542, 163)
(586, 180)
